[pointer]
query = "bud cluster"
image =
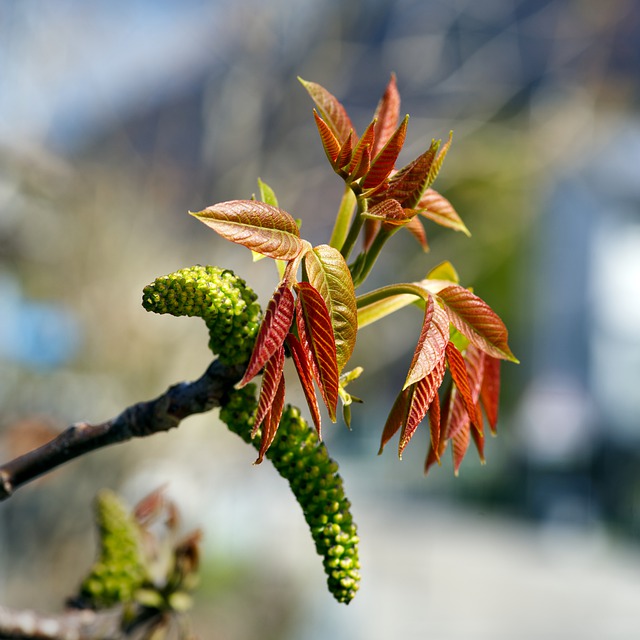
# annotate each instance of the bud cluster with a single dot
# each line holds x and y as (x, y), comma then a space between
(302, 459)
(222, 299)
(119, 570)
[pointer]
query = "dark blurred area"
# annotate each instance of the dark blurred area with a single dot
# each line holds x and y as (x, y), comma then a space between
(118, 117)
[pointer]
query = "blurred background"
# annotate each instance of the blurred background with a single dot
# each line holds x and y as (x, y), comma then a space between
(118, 117)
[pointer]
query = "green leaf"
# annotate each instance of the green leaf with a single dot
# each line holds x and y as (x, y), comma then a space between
(437, 163)
(328, 272)
(475, 319)
(444, 271)
(381, 302)
(330, 109)
(267, 195)
(258, 226)
(438, 209)
(430, 350)
(316, 337)
(273, 330)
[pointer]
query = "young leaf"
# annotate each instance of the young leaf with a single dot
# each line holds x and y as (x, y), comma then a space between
(425, 390)
(346, 151)
(460, 377)
(384, 162)
(408, 185)
(389, 211)
(386, 115)
(475, 319)
(330, 109)
(305, 374)
(371, 228)
(328, 272)
(330, 143)
(437, 163)
(316, 336)
(434, 422)
(270, 380)
(258, 226)
(361, 156)
(273, 330)
(272, 420)
(444, 271)
(430, 350)
(437, 208)
(396, 418)
(490, 390)
(415, 228)
(267, 194)
(460, 446)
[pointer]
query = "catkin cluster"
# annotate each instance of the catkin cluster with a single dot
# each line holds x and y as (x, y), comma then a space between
(302, 459)
(119, 569)
(222, 299)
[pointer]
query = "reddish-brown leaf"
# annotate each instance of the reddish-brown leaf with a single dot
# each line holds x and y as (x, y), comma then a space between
(362, 154)
(408, 184)
(386, 115)
(434, 422)
(437, 208)
(331, 110)
(415, 228)
(272, 421)
(384, 162)
(479, 440)
(437, 163)
(316, 336)
(460, 444)
(328, 272)
(388, 211)
(270, 380)
(330, 143)
(430, 350)
(305, 373)
(396, 418)
(435, 452)
(490, 390)
(346, 150)
(424, 392)
(476, 321)
(273, 330)
(253, 224)
(460, 377)
(371, 228)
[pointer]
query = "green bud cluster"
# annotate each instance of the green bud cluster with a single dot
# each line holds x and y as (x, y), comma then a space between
(302, 459)
(119, 570)
(222, 299)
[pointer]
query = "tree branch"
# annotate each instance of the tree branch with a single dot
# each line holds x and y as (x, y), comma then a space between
(142, 419)
(77, 624)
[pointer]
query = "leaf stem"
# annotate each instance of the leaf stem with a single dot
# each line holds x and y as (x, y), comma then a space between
(356, 227)
(343, 219)
(372, 254)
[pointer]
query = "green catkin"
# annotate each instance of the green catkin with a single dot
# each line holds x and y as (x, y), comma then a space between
(302, 459)
(119, 569)
(223, 300)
